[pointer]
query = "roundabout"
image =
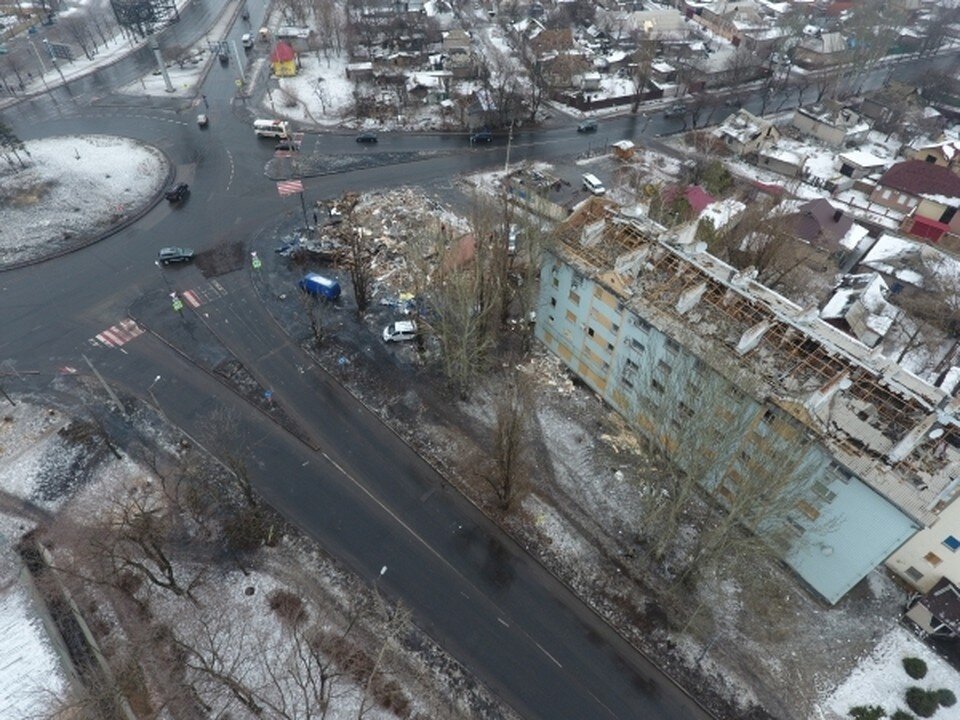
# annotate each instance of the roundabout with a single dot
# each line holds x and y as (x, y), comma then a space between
(59, 194)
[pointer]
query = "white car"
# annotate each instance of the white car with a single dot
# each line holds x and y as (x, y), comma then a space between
(400, 330)
(246, 40)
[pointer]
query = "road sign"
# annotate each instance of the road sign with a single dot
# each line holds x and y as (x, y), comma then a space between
(58, 50)
(238, 82)
(289, 187)
(177, 304)
(257, 263)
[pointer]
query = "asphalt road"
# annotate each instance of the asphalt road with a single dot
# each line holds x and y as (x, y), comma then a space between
(365, 496)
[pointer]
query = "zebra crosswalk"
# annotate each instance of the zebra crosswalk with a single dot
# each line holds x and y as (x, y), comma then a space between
(118, 335)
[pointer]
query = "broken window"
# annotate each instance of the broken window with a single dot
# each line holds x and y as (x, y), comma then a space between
(823, 492)
(807, 509)
(658, 388)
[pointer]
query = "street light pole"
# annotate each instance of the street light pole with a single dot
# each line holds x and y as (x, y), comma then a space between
(43, 68)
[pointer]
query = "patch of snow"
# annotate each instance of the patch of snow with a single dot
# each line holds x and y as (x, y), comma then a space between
(879, 678)
(30, 671)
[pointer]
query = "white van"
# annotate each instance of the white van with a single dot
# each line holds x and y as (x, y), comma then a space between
(400, 331)
(272, 128)
(593, 184)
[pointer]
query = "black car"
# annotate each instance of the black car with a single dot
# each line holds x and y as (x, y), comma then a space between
(589, 125)
(169, 255)
(286, 145)
(367, 137)
(483, 136)
(177, 193)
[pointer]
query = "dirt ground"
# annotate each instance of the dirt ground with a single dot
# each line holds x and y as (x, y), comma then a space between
(749, 640)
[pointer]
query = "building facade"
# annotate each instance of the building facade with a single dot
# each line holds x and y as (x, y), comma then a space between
(742, 387)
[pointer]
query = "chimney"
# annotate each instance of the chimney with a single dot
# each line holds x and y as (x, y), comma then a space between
(837, 214)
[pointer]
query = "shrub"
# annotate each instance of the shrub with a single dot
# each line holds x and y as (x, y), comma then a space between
(923, 702)
(902, 715)
(915, 667)
(288, 606)
(867, 712)
(946, 697)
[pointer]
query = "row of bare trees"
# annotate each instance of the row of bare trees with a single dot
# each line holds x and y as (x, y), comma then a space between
(173, 648)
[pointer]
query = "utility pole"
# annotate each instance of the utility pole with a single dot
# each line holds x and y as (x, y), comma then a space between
(506, 164)
(155, 46)
(113, 397)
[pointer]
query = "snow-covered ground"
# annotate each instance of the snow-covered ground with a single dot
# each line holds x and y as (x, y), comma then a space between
(879, 679)
(30, 670)
(320, 93)
(72, 188)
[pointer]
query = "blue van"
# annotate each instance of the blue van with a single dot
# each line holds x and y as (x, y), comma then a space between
(321, 286)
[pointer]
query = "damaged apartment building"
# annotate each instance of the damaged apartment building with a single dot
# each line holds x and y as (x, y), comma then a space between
(725, 373)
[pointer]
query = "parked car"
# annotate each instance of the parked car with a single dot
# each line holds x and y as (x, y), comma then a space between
(177, 193)
(169, 255)
(678, 110)
(367, 137)
(482, 136)
(224, 58)
(202, 120)
(320, 286)
(400, 330)
(592, 183)
(588, 125)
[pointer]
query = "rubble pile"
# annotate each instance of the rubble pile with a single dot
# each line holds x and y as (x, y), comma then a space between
(403, 224)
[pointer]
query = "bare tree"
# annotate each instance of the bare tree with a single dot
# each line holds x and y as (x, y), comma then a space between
(640, 63)
(360, 257)
(390, 631)
(511, 432)
(460, 322)
(227, 439)
(137, 538)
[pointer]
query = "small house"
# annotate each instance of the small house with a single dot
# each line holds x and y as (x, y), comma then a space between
(945, 154)
(832, 123)
(743, 132)
(283, 60)
(821, 50)
(856, 164)
(456, 41)
(623, 149)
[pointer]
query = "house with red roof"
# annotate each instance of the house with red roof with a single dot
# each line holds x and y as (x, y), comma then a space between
(927, 193)
(696, 196)
(283, 59)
